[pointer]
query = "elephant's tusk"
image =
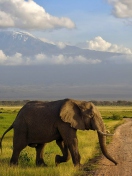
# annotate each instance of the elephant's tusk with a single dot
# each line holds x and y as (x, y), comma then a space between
(104, 134)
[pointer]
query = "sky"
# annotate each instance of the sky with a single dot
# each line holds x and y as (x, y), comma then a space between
(104, 25)
(100, 25)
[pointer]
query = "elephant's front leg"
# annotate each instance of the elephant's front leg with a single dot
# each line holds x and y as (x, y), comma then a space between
(64, 149)
(73, 147)
(39, 155)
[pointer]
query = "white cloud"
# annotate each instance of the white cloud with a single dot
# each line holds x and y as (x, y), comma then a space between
(10, 60)
(64, 60)
(5, 20)
(29, 15)
(40, 59)
(84, 60)
(47, 41)
(99, 44)
(61, 45)
(2, 57)
(122, 8)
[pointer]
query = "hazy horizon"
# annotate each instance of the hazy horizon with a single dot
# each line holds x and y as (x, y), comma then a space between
(50, 82)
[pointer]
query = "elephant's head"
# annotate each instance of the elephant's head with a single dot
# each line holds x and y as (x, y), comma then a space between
(84, 116)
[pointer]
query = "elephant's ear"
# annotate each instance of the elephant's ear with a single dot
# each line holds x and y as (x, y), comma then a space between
(71, 113)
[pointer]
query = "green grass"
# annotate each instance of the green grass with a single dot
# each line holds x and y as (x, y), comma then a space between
(88, 147)
(108, 111)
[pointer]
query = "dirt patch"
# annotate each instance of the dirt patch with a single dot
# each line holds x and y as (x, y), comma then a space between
(121, 149)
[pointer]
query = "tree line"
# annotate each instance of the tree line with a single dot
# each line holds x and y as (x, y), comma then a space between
(112, 103)
(97, 103)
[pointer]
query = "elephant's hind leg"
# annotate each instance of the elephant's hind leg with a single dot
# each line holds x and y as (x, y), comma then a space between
(39, 155)
(18, 145)
(66, 154)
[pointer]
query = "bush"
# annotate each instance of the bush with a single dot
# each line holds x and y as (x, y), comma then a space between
(24, 158)
(116, 117)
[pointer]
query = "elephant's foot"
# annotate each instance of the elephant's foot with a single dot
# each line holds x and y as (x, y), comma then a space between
(13, 162)
(60, 159)
(78, 165)
(41, 163)
(57, 160)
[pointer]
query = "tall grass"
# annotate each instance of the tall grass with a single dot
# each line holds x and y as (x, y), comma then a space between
(88, 143)
(109, 111)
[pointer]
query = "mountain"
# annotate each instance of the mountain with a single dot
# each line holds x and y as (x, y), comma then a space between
(12, 42)
(105, 80)
(21, 42)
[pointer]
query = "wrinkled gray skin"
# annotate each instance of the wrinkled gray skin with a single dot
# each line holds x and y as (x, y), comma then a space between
(38, 123)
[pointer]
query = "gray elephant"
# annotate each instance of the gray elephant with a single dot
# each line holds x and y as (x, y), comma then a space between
(38, 123)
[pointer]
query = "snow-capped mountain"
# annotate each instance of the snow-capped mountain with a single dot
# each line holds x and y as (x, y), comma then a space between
(21, 35)
(21, 42)
(12, 42)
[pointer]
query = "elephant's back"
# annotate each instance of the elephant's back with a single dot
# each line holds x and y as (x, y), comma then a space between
(44, 104)
(40, 111)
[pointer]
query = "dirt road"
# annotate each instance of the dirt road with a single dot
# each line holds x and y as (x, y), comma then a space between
(121, 150)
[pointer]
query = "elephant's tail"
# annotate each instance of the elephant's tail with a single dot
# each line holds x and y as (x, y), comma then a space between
(4, 135)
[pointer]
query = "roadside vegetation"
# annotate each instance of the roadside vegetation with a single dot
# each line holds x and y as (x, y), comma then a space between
(88, 145)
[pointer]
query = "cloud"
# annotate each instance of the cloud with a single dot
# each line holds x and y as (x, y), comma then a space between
(29, 15)
(2, 57)
(99, 44)
(60, 59)
(121, 8)
(40, 59)
(47, 41)
(61, 45)
(10, 60)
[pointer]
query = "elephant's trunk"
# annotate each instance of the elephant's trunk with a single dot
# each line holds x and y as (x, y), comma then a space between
(102, 142)
(97, 124)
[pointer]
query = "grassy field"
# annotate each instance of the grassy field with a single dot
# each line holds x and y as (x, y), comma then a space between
(122, 111)
(88, 146)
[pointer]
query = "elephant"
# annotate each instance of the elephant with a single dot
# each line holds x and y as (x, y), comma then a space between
(39, 122)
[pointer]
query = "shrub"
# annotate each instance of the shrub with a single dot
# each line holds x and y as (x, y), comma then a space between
(24, 158)
(116, 117)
